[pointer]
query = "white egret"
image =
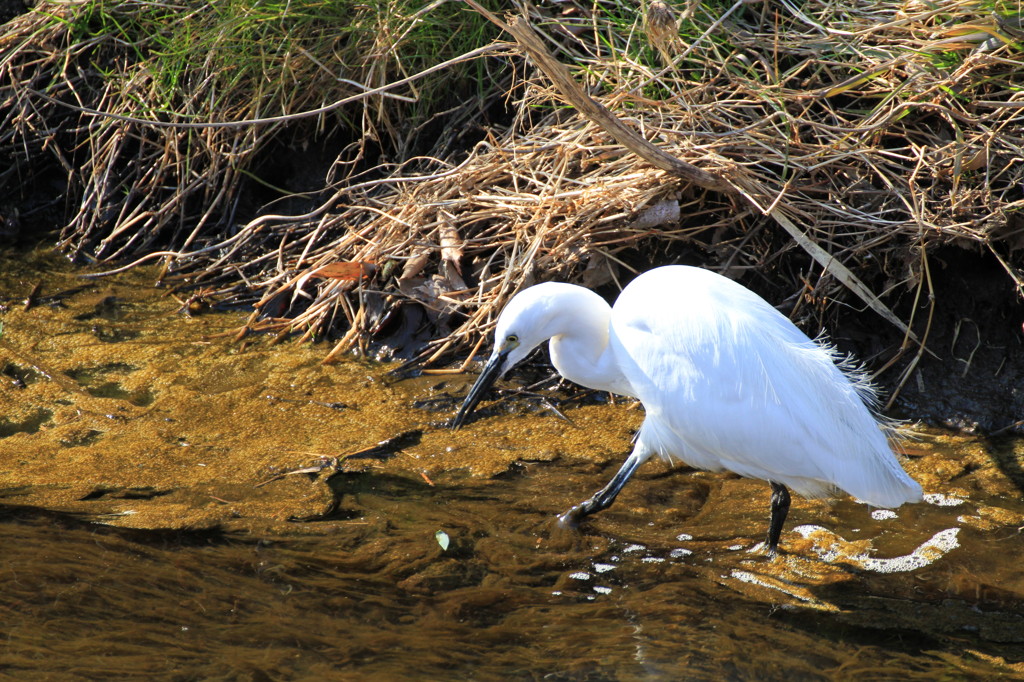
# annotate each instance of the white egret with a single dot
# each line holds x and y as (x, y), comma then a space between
(727, 383)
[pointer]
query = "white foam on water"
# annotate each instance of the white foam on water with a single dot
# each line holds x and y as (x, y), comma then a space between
(940, 500)
(928, 552)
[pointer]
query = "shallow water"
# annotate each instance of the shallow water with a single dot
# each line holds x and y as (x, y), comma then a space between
(149, 527)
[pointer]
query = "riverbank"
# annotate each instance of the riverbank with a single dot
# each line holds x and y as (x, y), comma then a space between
(865, 179)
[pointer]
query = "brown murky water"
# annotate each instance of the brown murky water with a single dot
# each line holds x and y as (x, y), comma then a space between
(137, 540)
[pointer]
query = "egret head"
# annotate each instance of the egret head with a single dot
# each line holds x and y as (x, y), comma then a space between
(527, 321)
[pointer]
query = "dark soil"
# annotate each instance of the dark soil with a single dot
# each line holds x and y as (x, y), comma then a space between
(10, 9)
(975, 380)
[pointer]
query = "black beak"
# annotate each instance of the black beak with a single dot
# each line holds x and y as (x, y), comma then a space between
(492, 370)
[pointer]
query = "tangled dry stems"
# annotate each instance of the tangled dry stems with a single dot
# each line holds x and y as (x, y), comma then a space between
(878, 130)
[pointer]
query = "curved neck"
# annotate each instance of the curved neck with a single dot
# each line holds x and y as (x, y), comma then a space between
(579, 344)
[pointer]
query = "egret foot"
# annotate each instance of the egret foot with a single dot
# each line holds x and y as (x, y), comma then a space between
(780, 509)
(604, 497)
(571, 518)
(762, 548)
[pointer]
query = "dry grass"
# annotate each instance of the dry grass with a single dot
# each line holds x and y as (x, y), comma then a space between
(870, 132)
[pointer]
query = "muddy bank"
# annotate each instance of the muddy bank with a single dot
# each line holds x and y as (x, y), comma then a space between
(970, 373)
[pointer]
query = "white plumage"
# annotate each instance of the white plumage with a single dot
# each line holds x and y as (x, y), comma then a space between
(727, 382)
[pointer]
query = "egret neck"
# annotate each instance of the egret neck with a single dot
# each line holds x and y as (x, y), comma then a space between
(580, 348)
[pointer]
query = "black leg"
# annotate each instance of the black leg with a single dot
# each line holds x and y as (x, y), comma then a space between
(780, 508)
(604, 497)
